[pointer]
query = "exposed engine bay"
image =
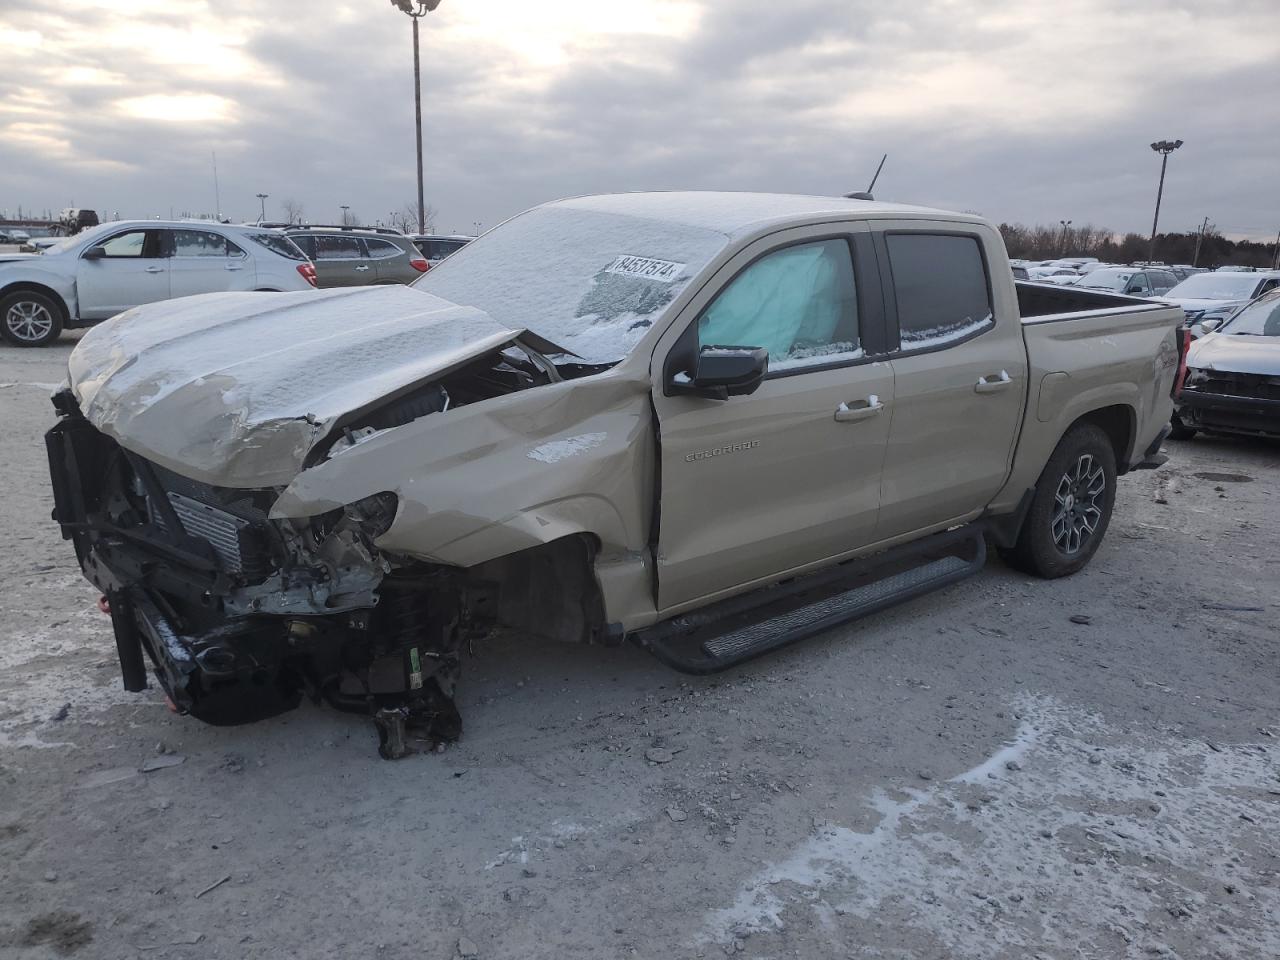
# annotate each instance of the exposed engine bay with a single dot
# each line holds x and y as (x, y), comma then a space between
(241, 614)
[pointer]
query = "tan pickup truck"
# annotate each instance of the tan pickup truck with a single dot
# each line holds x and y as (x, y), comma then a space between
(710, 423)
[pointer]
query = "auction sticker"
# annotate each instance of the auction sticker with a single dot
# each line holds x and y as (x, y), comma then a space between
(664, 271)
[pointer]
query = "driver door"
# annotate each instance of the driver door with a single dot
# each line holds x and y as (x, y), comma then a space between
(134, 270)
(754, 488)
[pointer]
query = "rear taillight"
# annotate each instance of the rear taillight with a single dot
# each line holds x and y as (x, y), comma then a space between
(419, 264)
(1184, 344)
(308, 272)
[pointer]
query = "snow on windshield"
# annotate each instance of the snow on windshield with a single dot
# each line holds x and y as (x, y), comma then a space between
(1216, 286)
(590, 282)
(1259, 319)
(1107, 279)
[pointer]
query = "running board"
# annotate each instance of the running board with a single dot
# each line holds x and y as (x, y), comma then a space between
(734, 631)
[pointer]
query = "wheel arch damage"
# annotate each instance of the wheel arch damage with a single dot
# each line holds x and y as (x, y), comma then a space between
(573, 460)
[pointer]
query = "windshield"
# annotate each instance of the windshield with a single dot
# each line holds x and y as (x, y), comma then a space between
(66, 243)
(1259, 319)
(1107, 279)
(1216, 286)
(590, 282)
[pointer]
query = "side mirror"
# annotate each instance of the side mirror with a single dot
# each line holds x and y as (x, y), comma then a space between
(724, 372)
(1200, 328)
(95, 253)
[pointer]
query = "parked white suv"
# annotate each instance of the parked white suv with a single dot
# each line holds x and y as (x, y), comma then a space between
(107, 269)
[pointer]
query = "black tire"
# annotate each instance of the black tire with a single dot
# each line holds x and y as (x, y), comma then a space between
(1059, 536)
(30, 319)
(1180, 430)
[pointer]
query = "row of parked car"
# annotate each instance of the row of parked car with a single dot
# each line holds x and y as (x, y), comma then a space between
(1206, 297)
(79, 280)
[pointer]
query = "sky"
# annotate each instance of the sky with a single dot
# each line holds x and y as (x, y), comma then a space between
(1031, 111)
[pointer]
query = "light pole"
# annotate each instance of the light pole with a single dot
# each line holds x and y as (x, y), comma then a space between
(262, 199)
(417, 9)
(1164, 148)
(1062, 247)
(1204, 228)
(344, 207)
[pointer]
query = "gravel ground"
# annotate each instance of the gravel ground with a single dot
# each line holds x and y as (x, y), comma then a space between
(972, 775)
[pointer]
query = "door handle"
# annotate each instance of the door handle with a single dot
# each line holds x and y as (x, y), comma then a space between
(365, 267)
(992, 383)
(154, 269)
(235, 266)
(848, 414)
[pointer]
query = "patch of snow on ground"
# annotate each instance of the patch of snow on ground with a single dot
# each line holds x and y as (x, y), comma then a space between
(1045, 841)
(84, 674)
(557, 450)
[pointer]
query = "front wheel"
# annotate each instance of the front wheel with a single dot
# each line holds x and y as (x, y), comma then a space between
(29, 319)
(1071, 506)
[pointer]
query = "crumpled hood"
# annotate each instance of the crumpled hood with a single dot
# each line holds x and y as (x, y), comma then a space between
(234, 389)
(1236, 354)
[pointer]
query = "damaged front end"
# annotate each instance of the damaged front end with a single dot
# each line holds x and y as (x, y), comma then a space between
(241, 614)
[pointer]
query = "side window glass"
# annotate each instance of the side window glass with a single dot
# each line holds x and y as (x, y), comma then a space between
(799, 303)
(126, 244)
(307, 244)
(381, 249)
(337, 248)
(198, 243)
(940, 282)
(1138, 285)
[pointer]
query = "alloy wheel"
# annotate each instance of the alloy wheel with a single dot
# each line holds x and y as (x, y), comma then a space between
(28, 321)
(1078, 504)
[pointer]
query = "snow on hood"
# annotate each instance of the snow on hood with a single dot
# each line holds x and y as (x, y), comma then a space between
(235, 388)
(1236, 354)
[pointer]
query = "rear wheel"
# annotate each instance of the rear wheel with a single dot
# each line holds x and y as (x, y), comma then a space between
(30, 319)
(1071, 507)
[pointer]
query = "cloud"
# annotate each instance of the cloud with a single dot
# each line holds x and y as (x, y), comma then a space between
(1031, 111)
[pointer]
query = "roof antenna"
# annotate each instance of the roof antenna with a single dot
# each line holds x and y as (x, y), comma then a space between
(866, 194)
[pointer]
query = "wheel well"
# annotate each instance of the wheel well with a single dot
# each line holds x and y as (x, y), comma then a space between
(549, 590)
(1117, 422)
(49, 292)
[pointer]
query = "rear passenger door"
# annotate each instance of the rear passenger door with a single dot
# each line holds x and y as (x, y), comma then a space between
(202, 261)
(960, 377)
(390, 263)
(341, 262)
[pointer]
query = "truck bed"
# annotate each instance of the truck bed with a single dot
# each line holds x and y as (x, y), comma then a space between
(1090, 351)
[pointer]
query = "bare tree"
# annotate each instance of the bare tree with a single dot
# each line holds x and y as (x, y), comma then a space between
(406, 218)
(292, 210)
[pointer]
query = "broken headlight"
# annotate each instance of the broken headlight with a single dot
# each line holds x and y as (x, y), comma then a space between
(374, 515)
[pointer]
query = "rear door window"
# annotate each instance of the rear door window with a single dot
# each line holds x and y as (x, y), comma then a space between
(203, 243)
(338, 248)
(940, 284)
(381, 249)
